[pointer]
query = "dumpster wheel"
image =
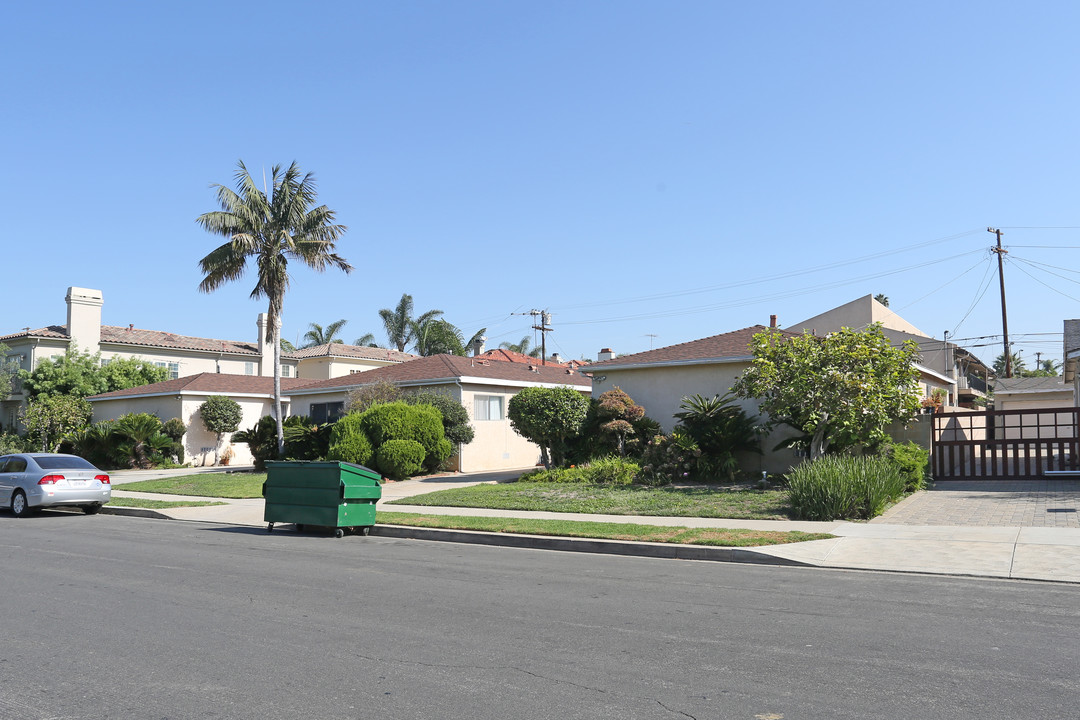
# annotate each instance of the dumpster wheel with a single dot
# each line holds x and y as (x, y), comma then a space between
(339, 533)
(270, 527)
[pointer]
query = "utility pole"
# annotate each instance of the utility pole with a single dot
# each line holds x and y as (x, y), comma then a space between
(545, 321)
(1004, 317)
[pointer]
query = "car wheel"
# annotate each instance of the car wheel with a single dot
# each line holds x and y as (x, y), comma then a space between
(19, 506)
(92, 508)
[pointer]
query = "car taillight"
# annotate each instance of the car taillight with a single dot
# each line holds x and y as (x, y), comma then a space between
(103, 479)
(50, 479)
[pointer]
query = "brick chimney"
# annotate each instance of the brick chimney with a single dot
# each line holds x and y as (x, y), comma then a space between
(772, 321)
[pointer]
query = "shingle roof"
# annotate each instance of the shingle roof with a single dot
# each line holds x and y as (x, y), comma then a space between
(351, 351)
(452, 367)
(731, 345)
(210, 383)
(1030, 384)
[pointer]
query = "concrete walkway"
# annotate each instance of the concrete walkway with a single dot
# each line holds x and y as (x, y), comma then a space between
(983, 529)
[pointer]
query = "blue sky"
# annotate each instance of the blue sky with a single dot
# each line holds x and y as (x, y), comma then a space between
(668, 169)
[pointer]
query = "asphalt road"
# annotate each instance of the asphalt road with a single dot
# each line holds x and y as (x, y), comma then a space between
(121, 617)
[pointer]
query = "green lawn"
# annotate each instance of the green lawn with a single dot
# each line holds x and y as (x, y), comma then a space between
(159, 504)
(710, 501)
(223, 485)
(607, 531)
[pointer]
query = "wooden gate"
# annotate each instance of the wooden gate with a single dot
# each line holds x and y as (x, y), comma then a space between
(1004, 444)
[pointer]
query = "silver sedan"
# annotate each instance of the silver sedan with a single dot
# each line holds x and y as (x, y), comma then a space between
(29, 481)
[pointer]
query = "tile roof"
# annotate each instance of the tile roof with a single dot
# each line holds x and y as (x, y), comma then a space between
(113, 335)
(453, 367)
(504, 355)
(210, 383)
(731, 345)
(350, 351)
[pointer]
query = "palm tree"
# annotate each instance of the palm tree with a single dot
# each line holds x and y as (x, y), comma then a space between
(1018, 366)
(400, 324)
(521, 347)
(366, 340)
(270, 231)
(318, 335)
(882, 298)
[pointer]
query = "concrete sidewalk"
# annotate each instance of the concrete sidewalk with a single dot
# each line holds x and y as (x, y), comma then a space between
(1029, 553)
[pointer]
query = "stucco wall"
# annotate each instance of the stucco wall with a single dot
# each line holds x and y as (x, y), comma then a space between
(660, 391)
(496, 445)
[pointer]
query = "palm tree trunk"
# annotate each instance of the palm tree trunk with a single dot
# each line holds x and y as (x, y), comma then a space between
(276, 330)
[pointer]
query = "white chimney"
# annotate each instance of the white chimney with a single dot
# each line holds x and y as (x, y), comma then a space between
(84, 319)
(555, 358)
(478, 345)
(605, 354)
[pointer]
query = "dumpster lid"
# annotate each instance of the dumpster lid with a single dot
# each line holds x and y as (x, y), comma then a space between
(340, 464)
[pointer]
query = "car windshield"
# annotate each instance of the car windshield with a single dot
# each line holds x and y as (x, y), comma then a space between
(57, 463)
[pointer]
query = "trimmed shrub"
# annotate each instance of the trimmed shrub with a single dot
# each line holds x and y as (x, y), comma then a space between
(836, 487)
(455, 418)
(555, 475)
(605, 471)
(388, 421)
(348, 441)
(913, 462)
(399, 459)
(174, 428)
(400, 421)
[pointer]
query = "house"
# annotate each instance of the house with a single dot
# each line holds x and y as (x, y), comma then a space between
(181, 355)
(943, 365)
(1033, 393)
(181, 398)
(483, 387)
(658, 380)
(1071, 355)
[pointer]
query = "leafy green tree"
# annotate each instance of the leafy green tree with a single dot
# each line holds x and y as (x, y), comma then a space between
(319, 335)
(220, 415)
(376, 393)
(48, 418)
(270, 231)
(400, 325)
(81, 375)
(548, 417)
(524, 347)
(840, 390)
(9, 370)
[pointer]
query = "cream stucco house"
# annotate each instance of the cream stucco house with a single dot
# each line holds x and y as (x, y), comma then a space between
(483, 387)
(943, 365)
(181, 355)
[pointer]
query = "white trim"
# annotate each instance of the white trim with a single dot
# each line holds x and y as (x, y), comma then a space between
(464, 380)
(945, 378)
(181, 393)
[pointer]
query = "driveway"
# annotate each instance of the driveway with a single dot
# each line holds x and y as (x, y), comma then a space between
(989, 503)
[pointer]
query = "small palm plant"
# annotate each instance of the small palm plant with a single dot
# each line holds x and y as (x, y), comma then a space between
(721, 429)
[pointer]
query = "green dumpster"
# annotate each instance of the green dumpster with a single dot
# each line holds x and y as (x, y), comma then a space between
(338, 495)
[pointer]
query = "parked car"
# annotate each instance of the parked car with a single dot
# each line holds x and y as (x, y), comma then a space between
(29, 481)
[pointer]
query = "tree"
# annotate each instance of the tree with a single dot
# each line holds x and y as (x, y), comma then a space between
(220, 415)
(270, 232)
(548, 417)
(883, 299)
(436, 336)
(49, 417)
(366, 340)
(1019, 367)
(840, 390)
(143, 438)
(721, 429)
(318, 335)
(81, 375)
(9, 370)
(400, 325)
(617, 412)
(521, 347)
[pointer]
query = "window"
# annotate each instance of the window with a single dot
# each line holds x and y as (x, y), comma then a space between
(249, 368)
(286, 371)
(173, 368)
(487, 407)
(326, 412)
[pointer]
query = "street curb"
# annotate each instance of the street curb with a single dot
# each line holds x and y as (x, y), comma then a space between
(586, 545)
(133, 512)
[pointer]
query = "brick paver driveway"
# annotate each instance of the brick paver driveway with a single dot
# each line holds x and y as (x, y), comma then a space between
(1011, 503)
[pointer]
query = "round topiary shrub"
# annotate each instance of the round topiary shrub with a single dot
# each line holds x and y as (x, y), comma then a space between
(349, 443)
(400, 421)
(389, 421)
(399, 459)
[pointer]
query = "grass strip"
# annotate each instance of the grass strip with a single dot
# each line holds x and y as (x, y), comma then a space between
(723, 537)
(704, 501)
(223, 485)
(159, 504)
